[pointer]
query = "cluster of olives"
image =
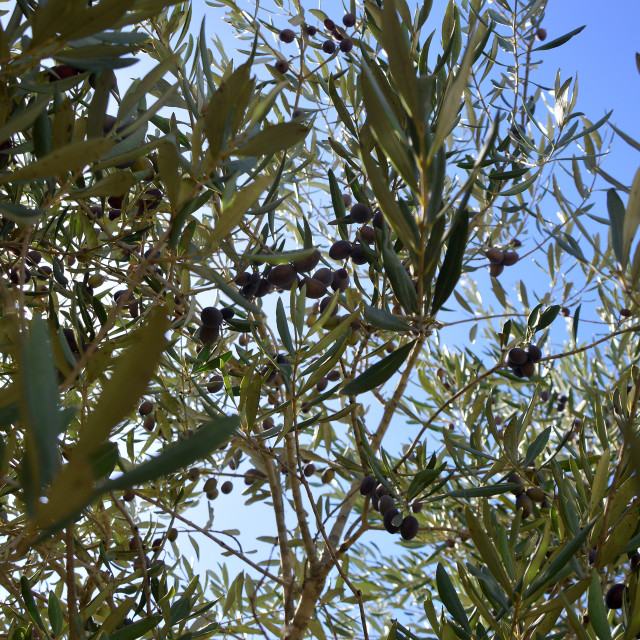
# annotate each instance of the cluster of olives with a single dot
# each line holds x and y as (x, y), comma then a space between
(146, 411)
(384, 503)
(328, 46)
(210, 487)
(526, 498)
(212, 320)
(522, 361)
(282, 276)
(499, 259)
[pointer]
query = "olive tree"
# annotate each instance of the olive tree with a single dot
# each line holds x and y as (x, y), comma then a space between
(326, 273)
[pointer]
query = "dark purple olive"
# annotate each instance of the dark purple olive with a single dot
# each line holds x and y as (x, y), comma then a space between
(315, 288)
(283, 276)
(212, 317)
(358, 255)
(516, 357)
(534, 353)
(215, 384)
(510, 258)
(388, 518)
(495, 270)
(523, 501)
(227, 313)
(346, 44)
(528, 369)
(287, 36)
(494, 255)
(329, 25)
(367, 485)
(514, 478)
(329, 46)
(360, 213)
(145, 408)
(324, 275)
(615, 596)
(311, 31)
(385, 503)
(340, 250)
(349, 20)
(308, 263)
(340, 280)
(409, 527)
(281, 66)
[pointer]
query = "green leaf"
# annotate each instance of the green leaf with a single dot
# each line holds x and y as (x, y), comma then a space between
(244, 199)
(616, 210)
(537, 447)
(547, 317)
(208, 437)
(40, 407)
(114, 184)
(74, 157)
(341, 108)
(450, 104)
(383, 319)
(559, 41)
(379, 373)
(281, 257)
(631, 217)
(423, 479)
(404, 226)
(273, 139)
(450, 598)
(137, 629)
(54, 611)
(487, 550)
(22, 119)
(20, 214)
(131, 374)
(30, 603)
(561, 558)
(597, 611)
(283, 328)
(451, 269)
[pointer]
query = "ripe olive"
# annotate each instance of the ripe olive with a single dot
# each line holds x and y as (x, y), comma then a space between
(494, 255)
(360, 213)
(340, 250)
(193, 473)
(358, 255)
(514, 478)
(368, 234)
(315, 288)
(227, 313)
(385, 503)
(416, 507)
(287, 36)
(495, 270)
(309, 469)
(541, 34)
(333, 375)
(145, 408)
(324, 275)
(149, 423)
(528, 369)
(282, 276)
(264, 287)
(128, 495)
(311, 31)
(534, 353)
(516, 357)
(409, 527)
(329, 25)
(210, 485)
(281, 66)
(367, 485)
(308, 263)
(523, 501)
(340, 280)
(216, 383)
(211, 317)
(615, 596)
(349, 20)
(208, 335)
(226, 487)
(388, 518)
(346, 45)
(510, 258)
(329, 46)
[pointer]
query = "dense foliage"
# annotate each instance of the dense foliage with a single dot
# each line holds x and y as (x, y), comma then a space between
(324, 275)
